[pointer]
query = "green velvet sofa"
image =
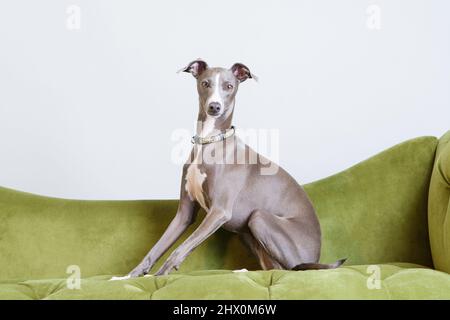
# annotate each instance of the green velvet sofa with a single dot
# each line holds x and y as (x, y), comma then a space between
(389, 215)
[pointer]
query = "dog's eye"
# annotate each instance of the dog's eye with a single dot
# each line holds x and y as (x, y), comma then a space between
(229, 86)
(205, 84)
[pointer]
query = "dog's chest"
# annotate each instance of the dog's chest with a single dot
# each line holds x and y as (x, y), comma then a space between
(194, 185)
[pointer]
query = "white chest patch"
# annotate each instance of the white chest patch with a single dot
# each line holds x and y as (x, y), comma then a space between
(194, 181)
(194, 178)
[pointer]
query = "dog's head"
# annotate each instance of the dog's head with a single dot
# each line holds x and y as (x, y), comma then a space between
(217, 87)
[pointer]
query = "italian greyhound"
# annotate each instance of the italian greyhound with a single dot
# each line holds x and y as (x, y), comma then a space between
(271, 212)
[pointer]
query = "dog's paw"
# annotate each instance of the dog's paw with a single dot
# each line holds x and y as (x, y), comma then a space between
(241, 270)
(120, 278)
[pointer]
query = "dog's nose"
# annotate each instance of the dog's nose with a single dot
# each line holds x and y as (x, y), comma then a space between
(214, 108)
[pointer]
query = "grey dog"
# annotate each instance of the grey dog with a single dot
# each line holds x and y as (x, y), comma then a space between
(271, 212)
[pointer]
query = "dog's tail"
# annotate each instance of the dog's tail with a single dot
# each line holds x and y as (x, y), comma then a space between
(318, 266)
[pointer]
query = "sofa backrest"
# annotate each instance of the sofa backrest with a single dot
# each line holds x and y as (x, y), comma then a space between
(42, 237)
(373, 212)
(376, 211)
(439, 206)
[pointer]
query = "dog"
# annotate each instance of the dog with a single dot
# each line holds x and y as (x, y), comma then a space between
(271, 212)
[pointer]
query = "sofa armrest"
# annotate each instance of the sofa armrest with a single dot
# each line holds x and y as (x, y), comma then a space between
(439, 206)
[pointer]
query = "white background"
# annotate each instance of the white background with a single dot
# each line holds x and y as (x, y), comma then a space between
(89, 113)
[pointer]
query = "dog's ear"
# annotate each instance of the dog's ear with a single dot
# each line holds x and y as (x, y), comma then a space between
(242, 73)
(195, 68)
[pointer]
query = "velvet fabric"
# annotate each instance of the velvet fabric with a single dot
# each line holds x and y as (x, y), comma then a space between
(397, 281)
(372, 213)
(376, 211)
(439, 206)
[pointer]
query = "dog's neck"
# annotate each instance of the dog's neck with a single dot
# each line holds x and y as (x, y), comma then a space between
(208, 125)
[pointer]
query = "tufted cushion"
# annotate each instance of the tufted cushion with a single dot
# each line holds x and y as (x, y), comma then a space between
(439, 206)
(398, 281)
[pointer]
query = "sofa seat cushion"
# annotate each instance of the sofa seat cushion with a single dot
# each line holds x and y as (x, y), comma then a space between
(398, 281)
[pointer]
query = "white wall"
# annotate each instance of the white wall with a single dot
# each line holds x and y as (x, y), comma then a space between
(89, 113)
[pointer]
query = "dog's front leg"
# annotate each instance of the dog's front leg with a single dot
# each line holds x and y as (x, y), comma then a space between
(213, 220)
(184, 217)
